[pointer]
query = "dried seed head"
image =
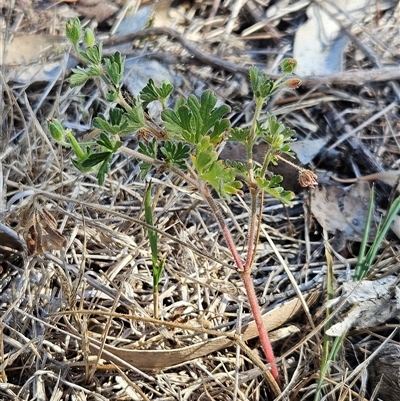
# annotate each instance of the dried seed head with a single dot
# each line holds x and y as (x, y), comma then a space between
(293, 83)
(308, 179)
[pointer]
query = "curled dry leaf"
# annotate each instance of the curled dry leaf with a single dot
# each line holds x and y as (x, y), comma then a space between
(40, 230)
(372, 304)
(339, 210)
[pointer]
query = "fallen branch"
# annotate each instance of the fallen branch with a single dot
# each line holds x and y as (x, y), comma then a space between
(356, 78)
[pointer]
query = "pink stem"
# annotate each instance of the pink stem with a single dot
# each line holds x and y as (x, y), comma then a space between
(262, 331)
(248, 284)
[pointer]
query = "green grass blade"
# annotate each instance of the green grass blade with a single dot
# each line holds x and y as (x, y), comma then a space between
(381, 234)
(359, 272)
(148, 213)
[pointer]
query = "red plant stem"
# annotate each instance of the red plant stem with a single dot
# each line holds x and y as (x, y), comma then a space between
(244, 271)
(262, 331)
(252, 232)
(221, 221)
(248, 284)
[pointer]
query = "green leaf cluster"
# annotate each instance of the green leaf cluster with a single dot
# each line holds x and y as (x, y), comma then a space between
(263, 86)
(151, 93)
(278, 136)
(110, 69)
(176, 153)
(118, 122)
(213, 171)
(187, 136)
(149, 149)
(194, 118)
(273, 188)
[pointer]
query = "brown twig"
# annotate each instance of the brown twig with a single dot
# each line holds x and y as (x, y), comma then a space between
(356, 78)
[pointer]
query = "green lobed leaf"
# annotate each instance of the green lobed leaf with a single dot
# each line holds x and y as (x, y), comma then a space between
(219, 131)
(165, 89)
(278, 136)
(239, 135)
(96, 158)
(205, 156)
(93, 54)
(149, 149)
(122, 126)
(204, 112)
(79, 77)
(107, 143)
(262, 85)
(213, 171)
(222, 179)
(196, 118)
(178, 123)
(272, 188)
(176, 153)
(116, 116)
(151, 93)
(239, 167)
(136, 118)
(275, 180)
(94, 70)
(115, 67)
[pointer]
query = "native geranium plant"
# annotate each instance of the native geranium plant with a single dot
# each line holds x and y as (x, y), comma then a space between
(186, 143)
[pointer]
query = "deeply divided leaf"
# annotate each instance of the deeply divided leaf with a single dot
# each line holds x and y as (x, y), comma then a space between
(96, 158)
(273, 188)
(150, 92)
(196, 118)
(149, 149)
(176, 153)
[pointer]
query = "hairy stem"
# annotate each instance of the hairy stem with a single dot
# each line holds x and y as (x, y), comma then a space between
(251, 244)
(252, 236)
(247, 281)
(262, 331)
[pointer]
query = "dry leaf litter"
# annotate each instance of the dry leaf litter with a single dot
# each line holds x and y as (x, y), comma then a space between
(76, 296)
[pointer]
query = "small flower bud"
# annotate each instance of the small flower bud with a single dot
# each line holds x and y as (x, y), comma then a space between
(288, 65)
(89, 38)
(56, 129)
(293, 83)
(73, 30)
(308, 179)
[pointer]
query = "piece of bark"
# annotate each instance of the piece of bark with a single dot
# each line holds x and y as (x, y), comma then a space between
(384, 373)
